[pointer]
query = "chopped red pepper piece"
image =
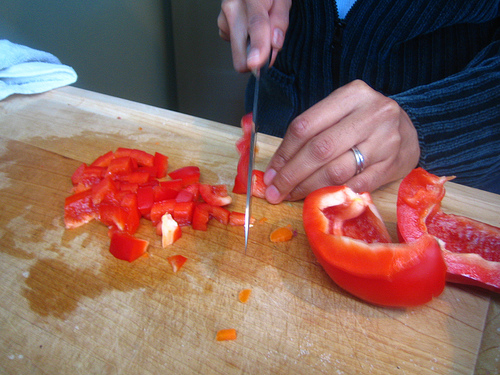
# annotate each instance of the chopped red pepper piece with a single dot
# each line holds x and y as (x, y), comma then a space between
(188, 175)
(170, 230)
(120, 166)
(216, 195)
(77, 175)
(243, 147)
(161, 165)
(126, 247)
(183, 213)
(244, 295)
(176, 261)
(145, 200)
(220, 214)
(184, 196)
(103, 160)
(281, 234)
(161, 208)
(129, 202)
(226, 334)
(238, 219)
(143, 158)
(79, 209)
(113, 216)
(105, 189)
(201, 216)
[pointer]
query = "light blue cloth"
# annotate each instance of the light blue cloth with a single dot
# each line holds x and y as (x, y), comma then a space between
(344, 6)
(24, 70)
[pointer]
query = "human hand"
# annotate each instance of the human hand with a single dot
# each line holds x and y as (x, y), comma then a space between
(264, 22)
(316, 149)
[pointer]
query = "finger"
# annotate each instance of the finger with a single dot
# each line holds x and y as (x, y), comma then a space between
(223, 26)
(370, 179)
(335, 173)
(259, 32)
(317, 157)
(279, 19)
(232, 22)
(312, 122)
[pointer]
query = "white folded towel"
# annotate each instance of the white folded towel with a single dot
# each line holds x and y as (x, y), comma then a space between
(24, 70)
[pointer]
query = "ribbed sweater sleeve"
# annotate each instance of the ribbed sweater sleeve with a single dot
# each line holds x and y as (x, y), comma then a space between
(458, 120)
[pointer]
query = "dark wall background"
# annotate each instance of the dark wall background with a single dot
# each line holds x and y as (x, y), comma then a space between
(166, 53)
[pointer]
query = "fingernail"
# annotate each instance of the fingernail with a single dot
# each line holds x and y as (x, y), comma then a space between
(272, 194)
(269, 176)
(278, 38)
(253, 56)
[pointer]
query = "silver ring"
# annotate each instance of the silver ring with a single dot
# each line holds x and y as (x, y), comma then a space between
(360, 160)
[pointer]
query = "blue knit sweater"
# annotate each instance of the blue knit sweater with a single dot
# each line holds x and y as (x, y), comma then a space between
(439, 59)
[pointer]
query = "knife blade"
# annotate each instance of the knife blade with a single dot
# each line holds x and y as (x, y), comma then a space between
(251, 159)
(253, 140)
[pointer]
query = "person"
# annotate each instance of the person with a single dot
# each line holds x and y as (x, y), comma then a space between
(362, 98)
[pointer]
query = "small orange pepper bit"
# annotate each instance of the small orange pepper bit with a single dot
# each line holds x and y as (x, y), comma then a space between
(176, 261)
(226, 334)
(282, 234)
(244, 295)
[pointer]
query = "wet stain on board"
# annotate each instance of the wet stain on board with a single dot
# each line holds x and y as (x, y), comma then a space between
(55, 288)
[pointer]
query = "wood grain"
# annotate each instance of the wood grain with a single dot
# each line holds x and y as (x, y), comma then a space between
(68, 306)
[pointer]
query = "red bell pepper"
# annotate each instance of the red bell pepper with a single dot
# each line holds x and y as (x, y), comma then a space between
(79, 209)
(144, 159)
(471, 249)
(170, 230)
(141, 157)
(243, 147)
(176, 261)
(189, 175)
(195, 190)
(120, 187)
(351, 243)
(238, 219)
(183, 213)
(138, 177)
(129, 203)
(215, 195)
(160, 163)
(87, 177)
(220, 214)
(104, 189)
(113, 216)
(167, 190)
(201, 216)
(161, 208)
(145, 200)
(77, 175)
(184, 196)
(103, 160)
(126, 247)
(121, 166)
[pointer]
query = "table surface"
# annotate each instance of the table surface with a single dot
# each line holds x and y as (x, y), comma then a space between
(68, 306)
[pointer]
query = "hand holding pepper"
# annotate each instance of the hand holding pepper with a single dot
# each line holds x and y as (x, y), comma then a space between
(316, 149)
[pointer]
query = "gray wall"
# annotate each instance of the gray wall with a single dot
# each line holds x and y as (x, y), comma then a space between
(166, 53)
(207, 84)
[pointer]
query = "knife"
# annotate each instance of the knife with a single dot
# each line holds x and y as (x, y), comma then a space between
(253, 139)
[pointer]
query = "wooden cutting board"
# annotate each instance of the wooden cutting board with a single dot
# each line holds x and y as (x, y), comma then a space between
(68, 306)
